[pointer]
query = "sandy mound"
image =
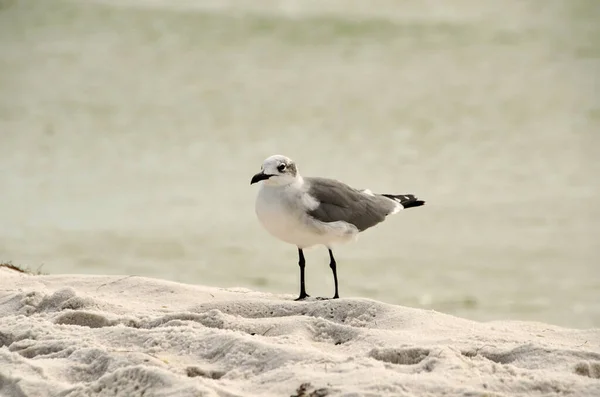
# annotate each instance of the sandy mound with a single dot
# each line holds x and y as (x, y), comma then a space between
(132, 336)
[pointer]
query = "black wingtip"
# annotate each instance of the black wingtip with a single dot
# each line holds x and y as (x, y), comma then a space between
(406, 200)
(410, 204)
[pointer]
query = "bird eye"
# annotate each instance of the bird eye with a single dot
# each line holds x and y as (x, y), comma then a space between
(281, 167)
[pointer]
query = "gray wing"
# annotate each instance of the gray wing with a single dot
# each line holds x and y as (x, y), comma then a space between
(340, 202)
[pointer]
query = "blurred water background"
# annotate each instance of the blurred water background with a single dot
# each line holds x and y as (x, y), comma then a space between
(129, 131)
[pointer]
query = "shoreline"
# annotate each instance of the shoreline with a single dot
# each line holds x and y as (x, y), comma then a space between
(131, 336)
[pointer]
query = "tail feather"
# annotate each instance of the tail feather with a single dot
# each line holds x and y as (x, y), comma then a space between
(405, 200)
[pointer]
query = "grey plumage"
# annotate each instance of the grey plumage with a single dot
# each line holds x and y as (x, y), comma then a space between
(340, 202)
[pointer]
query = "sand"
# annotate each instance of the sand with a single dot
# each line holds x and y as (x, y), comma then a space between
(83, 335)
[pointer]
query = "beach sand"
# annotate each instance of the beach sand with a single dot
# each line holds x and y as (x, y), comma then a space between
(83, 335)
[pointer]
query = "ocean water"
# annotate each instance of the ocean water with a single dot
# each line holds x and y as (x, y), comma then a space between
(129, 132)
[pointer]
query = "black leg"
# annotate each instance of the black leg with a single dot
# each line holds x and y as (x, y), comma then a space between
(301, 262)
(332, 265)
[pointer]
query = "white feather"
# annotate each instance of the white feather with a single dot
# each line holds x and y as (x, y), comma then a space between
(278, 211)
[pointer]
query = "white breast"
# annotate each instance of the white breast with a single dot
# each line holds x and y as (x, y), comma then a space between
(276, 213)
(282, 212)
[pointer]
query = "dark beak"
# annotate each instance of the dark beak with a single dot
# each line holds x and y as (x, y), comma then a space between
(261, 176)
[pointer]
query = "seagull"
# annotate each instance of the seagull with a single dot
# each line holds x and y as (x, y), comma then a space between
(318, 211)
